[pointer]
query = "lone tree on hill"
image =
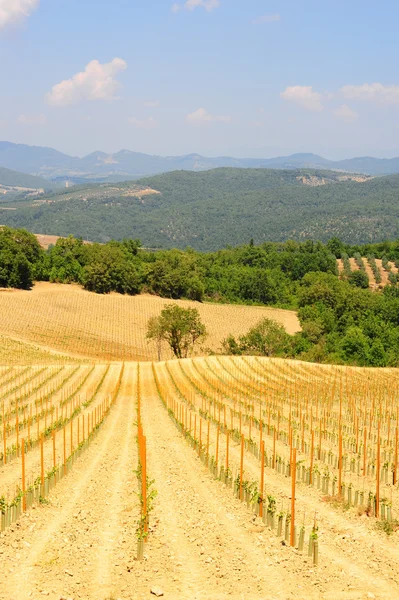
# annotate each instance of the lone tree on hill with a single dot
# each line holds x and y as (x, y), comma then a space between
(180, 327)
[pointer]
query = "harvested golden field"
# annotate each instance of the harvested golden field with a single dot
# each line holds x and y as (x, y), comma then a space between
(72, 321)
(253, 478)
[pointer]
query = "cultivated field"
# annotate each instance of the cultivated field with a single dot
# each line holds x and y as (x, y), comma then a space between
(378, 273)
(274, 478)
(218, 430)
(72, 321)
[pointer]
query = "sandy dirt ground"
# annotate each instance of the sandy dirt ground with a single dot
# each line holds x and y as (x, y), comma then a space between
(203, 544)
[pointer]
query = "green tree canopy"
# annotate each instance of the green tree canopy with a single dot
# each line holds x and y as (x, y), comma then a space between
(180, 327)
(267, 338)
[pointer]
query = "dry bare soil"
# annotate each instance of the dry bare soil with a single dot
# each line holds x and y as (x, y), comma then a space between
(204, 543)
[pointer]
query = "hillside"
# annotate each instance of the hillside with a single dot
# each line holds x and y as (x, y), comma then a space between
(213, 209)
(127, 165)
(65, 318)
(15, 179)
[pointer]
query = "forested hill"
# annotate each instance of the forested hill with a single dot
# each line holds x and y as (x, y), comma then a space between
(212, 209)
(9, 178)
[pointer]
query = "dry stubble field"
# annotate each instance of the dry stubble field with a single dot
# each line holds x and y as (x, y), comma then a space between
(67, 319)
(79, 539)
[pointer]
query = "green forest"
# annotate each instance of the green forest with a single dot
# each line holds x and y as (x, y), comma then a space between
(211, 210)
(341, 322)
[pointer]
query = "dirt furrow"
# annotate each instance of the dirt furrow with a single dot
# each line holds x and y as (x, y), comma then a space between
(218, 548)
(70, 547)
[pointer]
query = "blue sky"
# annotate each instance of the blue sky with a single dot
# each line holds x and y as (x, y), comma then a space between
(217, 77)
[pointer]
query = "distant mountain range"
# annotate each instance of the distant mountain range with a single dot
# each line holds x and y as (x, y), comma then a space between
(125, 165)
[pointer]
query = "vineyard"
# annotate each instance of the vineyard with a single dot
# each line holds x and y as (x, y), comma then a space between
(201, 478)
(74, 323)
(381, 272)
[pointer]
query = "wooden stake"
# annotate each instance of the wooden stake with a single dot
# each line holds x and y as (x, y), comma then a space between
(207, 441)
(311, 460)
(293, 482)
(339, 463)
(54, 453)
(217, 445)
(377, 493)
(23, 476)
(364, 451)
(262, 476)
(242, 464)
(41, 460)
(227, 451)
(65, 457)
(4, 443)
(395, 469)
(144, 485)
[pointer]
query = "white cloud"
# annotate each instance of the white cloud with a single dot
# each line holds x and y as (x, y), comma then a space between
(149, 123)
(201, 116)
(372, 92)
(345, 113)
(96, 82)
(209, 5)
(31, 119)
(14, 11)
(152, 103)
(266, 19)
(304, 96)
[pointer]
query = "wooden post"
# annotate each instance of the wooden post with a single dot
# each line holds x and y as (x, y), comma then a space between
(144, 484)
(293, 482)
(274, 449)
(71, 436)
(207, 441)
(242, 464)
(23, 476)
(65, 457)
(41, 460)
(17, 429)
(217, 445)
(262, 476)
(339, 462)
(54, 453)
(377, 492)
(311, 460)
(200, 437)
(364, 450)
(227, 451)
(4, 443)
(395, 468)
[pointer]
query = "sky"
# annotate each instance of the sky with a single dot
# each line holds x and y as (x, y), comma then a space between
(245, 78)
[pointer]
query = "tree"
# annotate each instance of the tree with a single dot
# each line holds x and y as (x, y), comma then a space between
(180, 327)
(267, 338)
(359, 279)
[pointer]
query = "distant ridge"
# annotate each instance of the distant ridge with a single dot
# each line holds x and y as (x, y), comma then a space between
(16, 179)
(125, 164)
